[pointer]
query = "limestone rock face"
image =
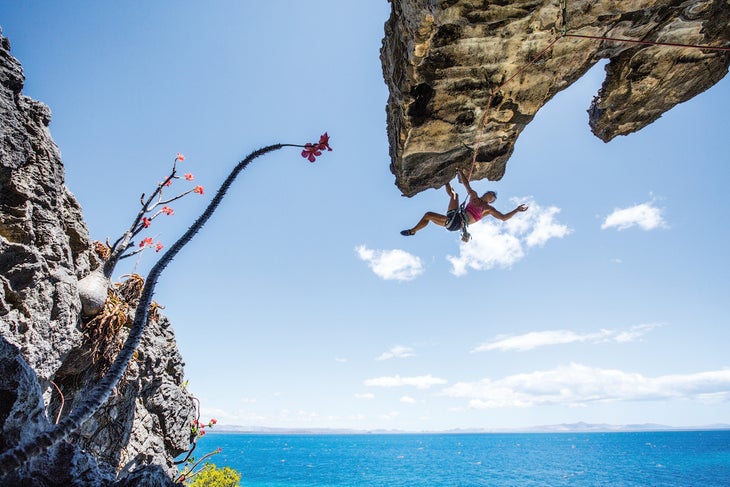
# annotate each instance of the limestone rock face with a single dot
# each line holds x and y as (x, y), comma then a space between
(443, 60)
(44, 251)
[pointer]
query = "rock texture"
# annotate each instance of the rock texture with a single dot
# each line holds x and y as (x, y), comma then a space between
(44, 251)
(443, 59)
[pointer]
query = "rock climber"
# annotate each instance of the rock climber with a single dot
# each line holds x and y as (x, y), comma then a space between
(459, 217)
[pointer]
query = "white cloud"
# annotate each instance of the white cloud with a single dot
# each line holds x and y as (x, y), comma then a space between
(635, 332)
(536, 339)
(397, 351)
(393, 264)
(578, 385)
(367, 396)
(646, 215)
(543, 226)
(497, 244)
(407, 400)
(420, 382)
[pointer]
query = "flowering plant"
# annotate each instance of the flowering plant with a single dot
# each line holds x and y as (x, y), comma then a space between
(198, 429)
(157, 205)
(312, 151)
(93, 290)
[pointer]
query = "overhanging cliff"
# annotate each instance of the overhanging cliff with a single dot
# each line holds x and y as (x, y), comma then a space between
(444, 59)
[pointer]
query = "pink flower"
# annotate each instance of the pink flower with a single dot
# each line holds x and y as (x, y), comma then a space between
(324, 142)
(189, 177)
(201, 432)
(213, 421)
(167, 183)
(311, 151)
(198, 189)
(146, 222)
(158, 247)
(145, 241)
(167, 210)
(179, 157)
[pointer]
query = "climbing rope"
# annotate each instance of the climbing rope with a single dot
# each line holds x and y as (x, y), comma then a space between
(650, 43)
(485, 116)
(564, 33)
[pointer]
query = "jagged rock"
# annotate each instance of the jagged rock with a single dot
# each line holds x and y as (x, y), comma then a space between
(442, 59)
(44, 251)
(22, 416)
(42, 237)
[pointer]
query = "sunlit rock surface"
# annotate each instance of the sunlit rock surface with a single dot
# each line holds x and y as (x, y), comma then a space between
(442, 59)
(44, 250)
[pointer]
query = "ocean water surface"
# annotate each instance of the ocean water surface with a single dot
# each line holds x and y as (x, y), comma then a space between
(696, 458)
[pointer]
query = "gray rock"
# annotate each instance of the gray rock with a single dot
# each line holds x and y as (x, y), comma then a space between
(45, 250)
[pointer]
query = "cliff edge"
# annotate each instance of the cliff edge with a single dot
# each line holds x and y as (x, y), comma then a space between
(50, 354)
(444, 59)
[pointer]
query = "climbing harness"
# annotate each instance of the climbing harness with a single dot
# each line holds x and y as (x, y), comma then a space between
(463, 217)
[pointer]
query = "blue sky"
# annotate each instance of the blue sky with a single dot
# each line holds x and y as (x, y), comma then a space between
(301, 305)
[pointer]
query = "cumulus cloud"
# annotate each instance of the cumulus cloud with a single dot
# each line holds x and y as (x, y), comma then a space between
(419, 382)
(398, 351)
(536, 339)
(393, 264)
(579, 385)
(497, 244)
(646, 216)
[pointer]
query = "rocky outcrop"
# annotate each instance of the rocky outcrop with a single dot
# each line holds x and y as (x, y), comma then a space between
(443, 59)
(44, 341)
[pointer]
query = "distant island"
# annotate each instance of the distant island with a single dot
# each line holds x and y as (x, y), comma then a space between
(580, 427)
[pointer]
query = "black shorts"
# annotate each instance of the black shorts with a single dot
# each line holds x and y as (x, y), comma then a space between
(453, 220)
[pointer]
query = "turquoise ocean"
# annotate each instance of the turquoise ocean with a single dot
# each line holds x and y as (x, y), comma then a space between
(687, 458)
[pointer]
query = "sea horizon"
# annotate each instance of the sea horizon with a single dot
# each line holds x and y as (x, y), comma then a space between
(577, 427)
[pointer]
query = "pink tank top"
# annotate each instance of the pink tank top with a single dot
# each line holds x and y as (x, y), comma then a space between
(474, 211)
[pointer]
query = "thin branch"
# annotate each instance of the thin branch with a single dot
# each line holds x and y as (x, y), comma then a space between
(63, 401)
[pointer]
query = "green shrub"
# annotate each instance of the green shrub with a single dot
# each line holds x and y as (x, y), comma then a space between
(212, 476)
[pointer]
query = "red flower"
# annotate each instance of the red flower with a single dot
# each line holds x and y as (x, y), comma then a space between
(158, 247)
(168, 182)
(311, 151)
(167, 210)
(145, 241)
(201, 432)
(213, 421)
(324, 142)
(146, 222)
(179, 157)
(198, 189)
(189, 177)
